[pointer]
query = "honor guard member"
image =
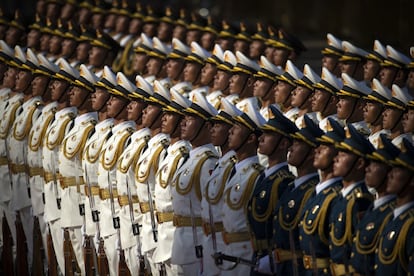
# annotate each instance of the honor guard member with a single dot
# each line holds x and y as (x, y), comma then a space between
(189, 182)
(4, 24)
(223, 76)
(287, 47)
(178, 148)
(55, 42)
(379, 213)
(84, 46)
(103, 52)
(394, 68)
(156, 65)
(92, 150)
(302, 94)
(140, 59)
(33, 36)
(314, 225)
(151, 22)
(130, 215)
(242, 40)
(270, 43)
(180, 26)
(351, 103)
(375, 57)
(226, 36)
(16, 31)
(258, 46)
(60, 125)
(410, 78)
(243, 139)
(40, 87)
(68, 10)
(264, 83)
(395, 248)
(84, 12)
(283, 90)
(111, 150)
(46, 33)
(408, 120)
(195, 29)
(208, 73)
(274, 143)
(353, 201)
(176, 61)
(374, 109)
(147, 166)
(394, 112)
(70, 43)
(166, 26)
(209, 36)
(288, 211)
(331, 54)
(324, 98)
(352, 61)
(70, 162)
(213, 200)
(194, 63)
(242, 81)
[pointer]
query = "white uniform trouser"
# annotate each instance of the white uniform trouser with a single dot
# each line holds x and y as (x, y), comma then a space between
(189, 269)
(43, 230)
(111, 252)
(75, 235)
(10, 217)
(131, 259)
(57, 238)
(26, 218)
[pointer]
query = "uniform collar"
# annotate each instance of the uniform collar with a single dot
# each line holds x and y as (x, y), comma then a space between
(300, 180)
(227, 156)
(323, 185)
(383, 200)
(247, 161)
(399, 210)
(200, 149)
(275, 168)
(86, 117)
(346, 191)
(123, 125)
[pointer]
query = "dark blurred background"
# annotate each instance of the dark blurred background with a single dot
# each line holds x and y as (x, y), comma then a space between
(359, 21)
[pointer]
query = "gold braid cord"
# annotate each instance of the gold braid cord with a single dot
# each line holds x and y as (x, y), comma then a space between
(12, 117)
(288, 226)
(348, 226)
(124, 168)
(118, 150)
(52, 144)
(92, 158)
(35, 147)
(152, 164)
(79, 147)
(216, 199)
(174, 165)
(27, 125)
(272, 202)
(246, 194)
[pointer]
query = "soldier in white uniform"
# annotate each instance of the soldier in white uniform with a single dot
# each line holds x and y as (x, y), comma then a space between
(171, 125)
(17, 141)
(131, 220)
(70, 157)
(110, 153)
(244, 140)
(213, 200)
(190, 180)
(55, 132)
(208, 73)
(176, 61)
(156, 65)
(147, 166)
(242, 81)
(194, 63)
(40, 86)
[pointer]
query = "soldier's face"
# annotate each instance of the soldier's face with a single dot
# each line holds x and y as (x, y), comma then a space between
(58, 87)
(110, 21)
(192, 71)
(376, 173)
(241, 46)
(67, 11)
(280, 56)
(372, 112)
(154, 66)
(237, 83)
(348, 67)
(344, 163)
(77, 96)
(179, 32)
(390, 118)
(135, 26)
(371, 69)
(82, 51)
(330, 62)
(237, 136)
(192, 35)
(55, 44)
(221, 80)
(345, 107)
(97, 56)
(319, 100)
(44, 42)
(99, 99)
(134, 110)
(398, 178)
(256, 49)
(151, 116)
(207, 41)
(150, 29)
(268, 141)
(190, 127)
(219, 133)
(282, 92)
(33, 39)
(171, 123)
(387, 75)
(23, 80)
(301, 97)
(410, 80)
(139, 63)
(324, 156)
(226, 43)
(68, 47)
(269, 52)
(262, 87)
(9, 78)
(12, 36)
(122, 23)
(174, 68)
(115, 106)
(298, 151)
(164, 31)
(207, 73)
(408, 121)
(39, 85)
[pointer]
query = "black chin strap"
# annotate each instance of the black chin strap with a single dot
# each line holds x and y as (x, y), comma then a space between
(326, 104)
(84, 101)
(276, 146)
(398, 121)
(379, 115)
(304, 157)
(305, 100)
(155, 119)
(104, 104)
(244, 142)
(351, 167)
(198, 131)
(353, 109)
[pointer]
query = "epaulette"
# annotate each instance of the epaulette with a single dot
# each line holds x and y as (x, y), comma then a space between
(210, 154)
(130, 130)
(258, 167)
(282, 173)
(358, 193)
(333, 188)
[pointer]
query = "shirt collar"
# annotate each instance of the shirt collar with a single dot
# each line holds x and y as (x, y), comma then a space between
(382, 200)
(300, 180)
(275, 168)
(347, 190)
(399, 210)
(249, 160)
(86, 117)
(323, 185)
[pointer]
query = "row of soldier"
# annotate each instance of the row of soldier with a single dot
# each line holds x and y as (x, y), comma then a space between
(185, 214)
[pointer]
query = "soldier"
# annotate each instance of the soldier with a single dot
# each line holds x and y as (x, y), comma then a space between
(84, 47)
(170, 124)
(9, 74)
(287, 47)
(379, 213)
(352, 61)
(68, 10)
(288, 210)
(226, 36)
(55, 132)
(16, 32)
(112, 149)
(258, 46)
(314, 225)
(354, 199)
(151, 22)
(372, 66)
(394, 68)
(53, 9)
(156, 65)
(351, 103)
(374, 109)
(190, 181)
(408, 120)
(274, 143)
(166, 26)
(244, 140)
(176, 61)
(223, 76)
(213, 200)
(4, 24)
(104, 50)
(70, 43)
(55, 41)
(70, 166)
(180, 28)
(242, 40)
(84, 12)
(46, 33)
(194, 63)
(242, 80)
(331, 55)
(194, 29)
(282, 91)
(324, 98)
(208, 72)
(33, 37)
(209, 36)
(147, 166)
(130, 236)
(264, 83)
(140, 59)
(395, 247)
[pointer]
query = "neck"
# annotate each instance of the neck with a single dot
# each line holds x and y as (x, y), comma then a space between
(27, 97)
(353, 178)
(375, 127)
(397, 131)
(119, 120)
(241, 155)
(277, 158)
(102, 116)
(155, 131)
(305, 169)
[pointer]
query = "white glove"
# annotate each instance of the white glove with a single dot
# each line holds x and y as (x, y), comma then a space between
(117, 244)
(264, 266)
(83, 231)
(96, 241)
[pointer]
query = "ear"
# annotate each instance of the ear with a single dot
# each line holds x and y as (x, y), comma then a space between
(250, 81)
(361, 163)
(252, 138)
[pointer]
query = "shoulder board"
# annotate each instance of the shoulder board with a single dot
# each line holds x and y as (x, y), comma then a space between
(258, 167)
(359, 193)
(210, 154)
(282, 173)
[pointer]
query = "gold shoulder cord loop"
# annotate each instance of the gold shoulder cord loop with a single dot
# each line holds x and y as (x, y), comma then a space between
(272, 202)
(124, 168)
(287, 226)
(216, 199)
(79, 147)
(51, 145)
(12, 117)
(35, 147)
(109, 165)
(28, 124)
(174, 165)
(246, 194)
(348, 226)
(152, 165)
